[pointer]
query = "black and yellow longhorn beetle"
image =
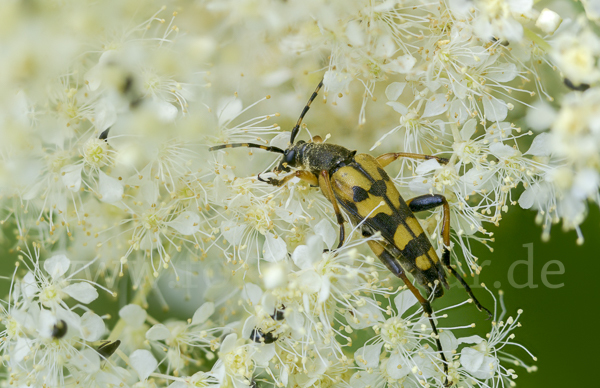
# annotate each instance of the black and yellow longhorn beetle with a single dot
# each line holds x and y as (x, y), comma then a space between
(358, 184)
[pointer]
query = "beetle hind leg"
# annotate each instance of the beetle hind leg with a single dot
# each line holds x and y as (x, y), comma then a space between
(393, 265)
(427, 202)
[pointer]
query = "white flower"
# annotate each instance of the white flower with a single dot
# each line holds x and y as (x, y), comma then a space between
(51, 289)
(235, 363)
(576, 53)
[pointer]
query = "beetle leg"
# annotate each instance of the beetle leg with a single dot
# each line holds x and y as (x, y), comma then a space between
(302, 174)
(325, 184)
(394, 266)
(427, 202)
(388, 158)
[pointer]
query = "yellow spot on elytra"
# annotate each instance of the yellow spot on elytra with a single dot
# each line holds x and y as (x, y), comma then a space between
(432, 255)
(423, 263)
(402, 237)
(369, 164)
(376, 247)
(366, 206)
(414, 225)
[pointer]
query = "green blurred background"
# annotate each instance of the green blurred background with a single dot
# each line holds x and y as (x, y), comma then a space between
(558, 324)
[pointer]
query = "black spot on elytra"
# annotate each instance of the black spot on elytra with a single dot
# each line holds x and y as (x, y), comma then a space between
(349, 206)
(384, 223)
(378, 188)
(360, 194)
(416, 247)
(383, 174)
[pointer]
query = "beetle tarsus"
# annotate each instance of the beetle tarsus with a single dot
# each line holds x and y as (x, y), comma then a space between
(271, 181)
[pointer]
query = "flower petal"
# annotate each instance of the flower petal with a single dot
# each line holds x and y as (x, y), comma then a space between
(274, 248)
(263, 354)
(494, 109)
(369, 355)
(326, 231)
(105, 115)
(398, 367)
(503, 73)
(158, 332)
(436, 105)
(29, 285)
(527, 199)
(394, 90)
(21, 349)
(109, 188)
(133, 315)
(186, 223)
(203, 313)
(403, 301)
(143, 362)
(92, 327)
(71, 176)
(82, 292)
(252, 292)
(57, 265)
(305, 256)
(398, 107)
(425, 167)
(88, 361)
(449, 343)
(502, 150)
(228, 343)
(541, 145)
(474, 339)
(468, 129)
(364, 316)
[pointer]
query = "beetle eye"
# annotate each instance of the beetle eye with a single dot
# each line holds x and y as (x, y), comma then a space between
(290, 156)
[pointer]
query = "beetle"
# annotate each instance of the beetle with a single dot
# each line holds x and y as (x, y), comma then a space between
(359, 185)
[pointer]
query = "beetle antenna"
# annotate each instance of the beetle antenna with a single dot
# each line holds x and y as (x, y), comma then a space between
(249, 145)
(306, 108)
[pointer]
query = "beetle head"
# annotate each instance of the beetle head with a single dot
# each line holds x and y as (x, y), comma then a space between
(292, 157)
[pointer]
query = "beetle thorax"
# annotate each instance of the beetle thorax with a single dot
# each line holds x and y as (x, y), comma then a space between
(316, 157)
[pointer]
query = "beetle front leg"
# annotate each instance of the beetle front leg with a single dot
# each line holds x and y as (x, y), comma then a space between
(388, 158)
(427, 202)
(304, 175)
(325, 184)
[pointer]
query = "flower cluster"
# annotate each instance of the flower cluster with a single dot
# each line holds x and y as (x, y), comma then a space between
(107, 182)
